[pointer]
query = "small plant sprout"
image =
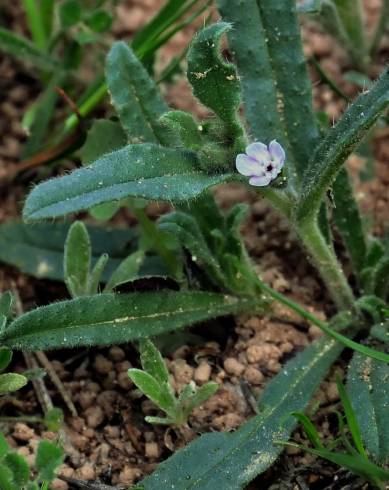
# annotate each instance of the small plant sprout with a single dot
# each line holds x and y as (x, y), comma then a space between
(15, 473)
(153, 381)
(261, 163)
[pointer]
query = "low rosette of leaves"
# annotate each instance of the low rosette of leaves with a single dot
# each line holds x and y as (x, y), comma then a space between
(153, 381)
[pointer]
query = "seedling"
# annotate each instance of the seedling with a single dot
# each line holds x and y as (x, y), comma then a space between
(15, 473)
(154, 382)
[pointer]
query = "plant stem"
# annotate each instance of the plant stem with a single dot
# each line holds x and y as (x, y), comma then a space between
(152, 233)
(22, 418)
(346, 341)
(328, 266)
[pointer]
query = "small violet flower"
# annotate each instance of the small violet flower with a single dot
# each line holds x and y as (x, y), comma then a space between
(261, 163)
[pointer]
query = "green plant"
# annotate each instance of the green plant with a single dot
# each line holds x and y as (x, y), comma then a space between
(345, 20)
(356, 459)
(15, 473)
(153, 380)
(8, 381)
(60, 35)
(292, 161)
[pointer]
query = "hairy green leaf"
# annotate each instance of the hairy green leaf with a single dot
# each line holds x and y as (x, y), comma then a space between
(368, 388)
(200, 396)
(147, 171)
(126, 271)
(348, 220)
(152, 361)
(38, 249)
(135, 96)
(49, 457)
(19, 467)
(185, 126)
(214, 81)
(77, 259)
(103, 137)
(6, 300)
(337, 145)
(6, 478)
(109, 319)
(239, 456)
(265, 41)
(11, 382)
(5, 357)
(159, 393)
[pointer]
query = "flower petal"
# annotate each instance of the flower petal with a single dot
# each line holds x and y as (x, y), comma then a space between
(258, 151)
(260, 181)
(277, 153)
(247, 165)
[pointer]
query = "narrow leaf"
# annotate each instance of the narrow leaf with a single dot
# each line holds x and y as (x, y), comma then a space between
(38, 249)
(240, 456)
(109, 319)
(6, 478)
(95, 275)
(126, 271)
(25, 51)
(4, 447)
(77, 259)
(200, 396)
(49, 457)
(348, 220)
(157, 392)
(368, 388)
(103, 137)
(11, 382)
(338, 144)
(5, 357)
(19, 467)
(134, 95)
(147, 171)
(214, 81)
(351, 418)
(309, 429)
(6, 300)
(152, 361)
(265, 41)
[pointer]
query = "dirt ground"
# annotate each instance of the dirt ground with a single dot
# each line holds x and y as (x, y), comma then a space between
(108, 440)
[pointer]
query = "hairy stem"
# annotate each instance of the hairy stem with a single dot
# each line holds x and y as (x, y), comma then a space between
(327, 264)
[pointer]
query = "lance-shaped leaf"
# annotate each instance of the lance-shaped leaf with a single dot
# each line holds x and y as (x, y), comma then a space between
(111, 319)
(77, 259)
(236, 458)
(265, 41)
(135, 96)
(338, 144)
(214, 81)
(348, 220)
(147, 171)
(368, 388)
(21, 48)
(38, 249)
(103, 137)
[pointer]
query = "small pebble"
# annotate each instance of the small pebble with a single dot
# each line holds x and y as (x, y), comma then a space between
(234, 367)
(151, 450)
(102, 364)
(202, 373)
(94, 416)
